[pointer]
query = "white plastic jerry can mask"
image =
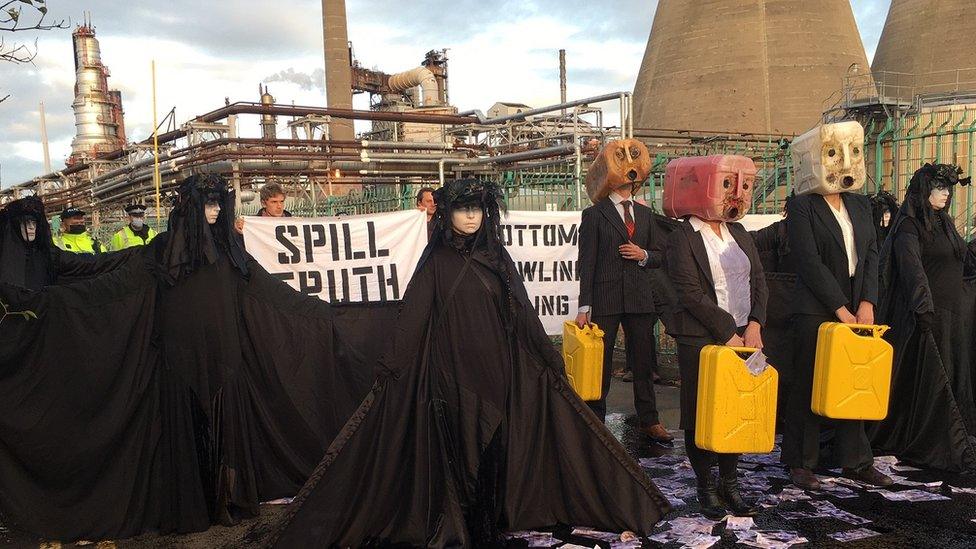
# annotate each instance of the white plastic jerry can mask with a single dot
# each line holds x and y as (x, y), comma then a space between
(829, 159)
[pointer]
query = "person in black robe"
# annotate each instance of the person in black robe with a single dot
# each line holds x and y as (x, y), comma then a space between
(932, 417)
(28, 257)
(472, 427)
(884, 207)
(175, 392)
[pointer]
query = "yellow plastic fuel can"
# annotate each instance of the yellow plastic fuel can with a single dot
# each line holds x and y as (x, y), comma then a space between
(583, 356)
(851, 372)
(736, 410)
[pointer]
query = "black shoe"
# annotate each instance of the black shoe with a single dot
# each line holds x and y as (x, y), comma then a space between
(708, 502)
(804, 478)
(728, 494)
(869, 475)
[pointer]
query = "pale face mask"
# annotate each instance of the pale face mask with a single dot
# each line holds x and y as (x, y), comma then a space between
(467, 219)
(885, 219)
(939, 197)
(211, 210)
(829, 159)
(28, 230)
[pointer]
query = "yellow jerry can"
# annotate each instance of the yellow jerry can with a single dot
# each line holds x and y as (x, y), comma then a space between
(851, 372)
(583, 356)
(736, 412)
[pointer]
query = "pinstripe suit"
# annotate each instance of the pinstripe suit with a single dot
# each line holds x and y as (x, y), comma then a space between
(619, 292)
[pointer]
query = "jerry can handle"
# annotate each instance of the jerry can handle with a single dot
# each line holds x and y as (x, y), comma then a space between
(869, 330)
(744, 352)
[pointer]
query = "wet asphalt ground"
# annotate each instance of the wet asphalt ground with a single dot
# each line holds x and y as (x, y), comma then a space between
(788, 513)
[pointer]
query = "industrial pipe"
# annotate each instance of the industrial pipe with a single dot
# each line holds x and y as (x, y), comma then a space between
(419, 76)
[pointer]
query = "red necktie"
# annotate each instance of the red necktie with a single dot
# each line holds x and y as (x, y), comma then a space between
(628, 219)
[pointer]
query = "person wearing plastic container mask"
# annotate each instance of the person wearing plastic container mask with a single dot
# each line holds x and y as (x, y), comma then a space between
(715, 268)
(929, 306)
(136, 232)
(834, 249)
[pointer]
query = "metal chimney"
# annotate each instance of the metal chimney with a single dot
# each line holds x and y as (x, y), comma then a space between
(926, 47)
(745, 66)
(98, 110)
(338, 66)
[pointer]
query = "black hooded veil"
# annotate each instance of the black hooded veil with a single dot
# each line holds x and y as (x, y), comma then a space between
(471, 427)
(38, 263)
(930, 308)
(177, 391)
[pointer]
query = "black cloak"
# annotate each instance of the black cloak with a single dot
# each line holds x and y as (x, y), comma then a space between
(930, 308)
(177, 391)
(472, 427)
(881, 203)
(40, 263)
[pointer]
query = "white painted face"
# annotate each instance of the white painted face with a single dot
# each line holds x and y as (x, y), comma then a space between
(885, 219)
(467, 219)
(211, 210)
(829, 159)
(939, 197)
(28, 230)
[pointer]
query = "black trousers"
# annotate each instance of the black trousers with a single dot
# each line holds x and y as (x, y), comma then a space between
(801, 435)
(641, 358)
(703, 460)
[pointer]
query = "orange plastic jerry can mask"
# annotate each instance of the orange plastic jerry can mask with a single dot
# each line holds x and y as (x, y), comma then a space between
(622, 162)
(713, 188)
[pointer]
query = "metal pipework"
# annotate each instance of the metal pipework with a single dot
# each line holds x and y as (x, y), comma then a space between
(558, 107)
(419, 76)
(351, 114)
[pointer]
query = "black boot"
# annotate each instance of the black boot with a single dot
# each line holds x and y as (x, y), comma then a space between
(728, 494)
(711, 507)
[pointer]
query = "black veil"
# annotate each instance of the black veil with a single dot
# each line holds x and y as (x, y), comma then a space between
(25, 263)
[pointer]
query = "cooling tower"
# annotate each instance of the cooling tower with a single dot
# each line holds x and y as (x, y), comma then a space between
(927, 47)
(745, 66)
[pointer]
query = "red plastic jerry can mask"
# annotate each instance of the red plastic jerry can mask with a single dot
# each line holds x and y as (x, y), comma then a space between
(622, 162)
(713, 188)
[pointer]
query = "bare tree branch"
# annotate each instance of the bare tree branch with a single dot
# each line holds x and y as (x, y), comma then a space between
(12, 18)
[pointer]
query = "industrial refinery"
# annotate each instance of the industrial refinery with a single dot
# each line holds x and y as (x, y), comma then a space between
(717, 76)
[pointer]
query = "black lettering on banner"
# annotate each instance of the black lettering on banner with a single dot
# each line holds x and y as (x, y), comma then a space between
(506, 235)
(568, 237)
(371, 236)
(361, 272)
(334, 233)
(310, 243)
(296, 255)
(310, 282)
(284, 277)
(392, 282)
(535, 233)
(566, 271)
(551, 305)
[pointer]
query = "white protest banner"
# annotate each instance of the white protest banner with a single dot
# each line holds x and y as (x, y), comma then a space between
(544, 248)
(354, 258)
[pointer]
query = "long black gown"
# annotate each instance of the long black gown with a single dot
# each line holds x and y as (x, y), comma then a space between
(932, 417)
(471, 429)
(131, 405)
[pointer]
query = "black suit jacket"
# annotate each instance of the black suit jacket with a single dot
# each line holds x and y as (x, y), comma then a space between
(698, 315)
(823, 284)
(610, 284)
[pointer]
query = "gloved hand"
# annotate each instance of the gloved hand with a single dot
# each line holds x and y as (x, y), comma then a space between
(925, 321)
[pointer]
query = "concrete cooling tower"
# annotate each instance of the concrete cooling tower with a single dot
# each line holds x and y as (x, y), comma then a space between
(745, 66)
(927, 47)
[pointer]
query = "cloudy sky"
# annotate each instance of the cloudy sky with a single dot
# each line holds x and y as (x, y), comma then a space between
(206, 50)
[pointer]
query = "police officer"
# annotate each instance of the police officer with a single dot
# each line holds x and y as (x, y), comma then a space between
(74, 235)
(136, 233)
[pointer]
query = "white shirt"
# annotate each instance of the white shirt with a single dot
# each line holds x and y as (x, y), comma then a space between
(847, 230)
(731, 270)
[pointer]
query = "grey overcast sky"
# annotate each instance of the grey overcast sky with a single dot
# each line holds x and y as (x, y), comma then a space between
(504, 50)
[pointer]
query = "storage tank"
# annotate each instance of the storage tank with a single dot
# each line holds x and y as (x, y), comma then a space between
(745, 66)
(926, 47)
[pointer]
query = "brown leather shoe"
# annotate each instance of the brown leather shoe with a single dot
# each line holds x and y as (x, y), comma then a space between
(658, 433)
(804, 478)
(869, 475)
